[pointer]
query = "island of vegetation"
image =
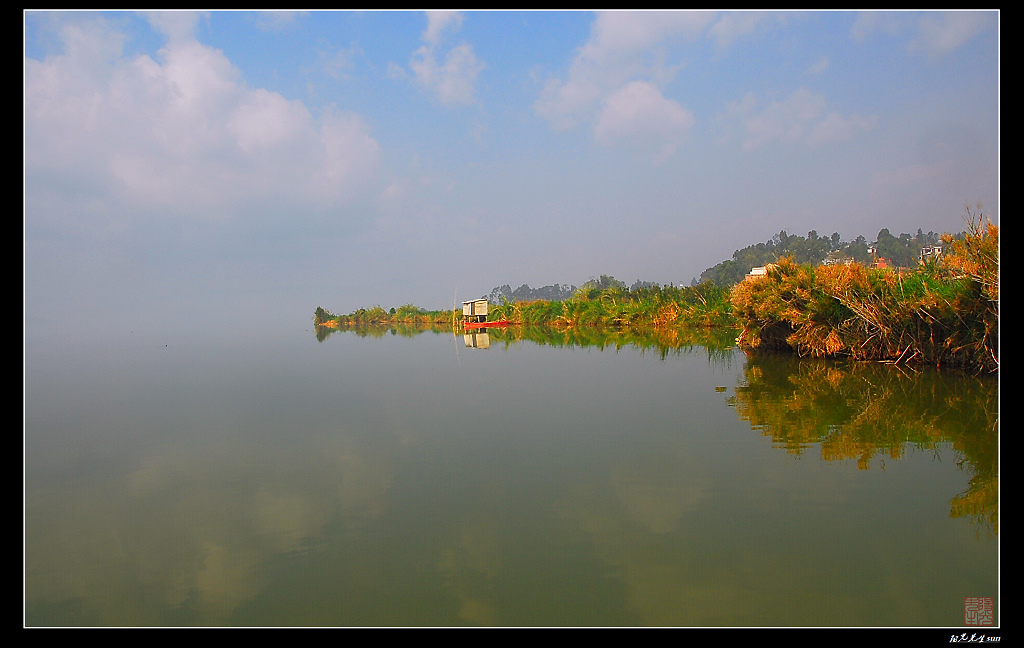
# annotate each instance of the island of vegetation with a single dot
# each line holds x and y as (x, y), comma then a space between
(813, 296)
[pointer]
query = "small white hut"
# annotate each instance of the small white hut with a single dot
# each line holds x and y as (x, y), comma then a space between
(474, 310)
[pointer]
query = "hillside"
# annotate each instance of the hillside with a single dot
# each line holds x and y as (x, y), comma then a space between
(902, 251)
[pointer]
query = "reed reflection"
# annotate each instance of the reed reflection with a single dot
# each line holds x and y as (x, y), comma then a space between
(861, 411)
(718, 342)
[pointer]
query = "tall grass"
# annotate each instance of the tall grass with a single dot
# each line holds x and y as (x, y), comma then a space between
(944, 313)
(705, 305)
(668, 309)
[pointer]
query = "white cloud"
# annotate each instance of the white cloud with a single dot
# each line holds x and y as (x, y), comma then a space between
(564, 104)
(265, 119)
(615, 80)
(345, 154)
(800, 118)
(277, 20)
(177, 26)
(935, 33)
(837, 128)
(452, 81)
(735, 24)
(613, 56)
(787, 121)
(943, 32)
(182, 132)
(639, 116)
(618, 33)
(871, 22)
(437, 22)
(338, 64)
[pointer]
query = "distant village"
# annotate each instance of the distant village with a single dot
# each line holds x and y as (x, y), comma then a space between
(929, 254)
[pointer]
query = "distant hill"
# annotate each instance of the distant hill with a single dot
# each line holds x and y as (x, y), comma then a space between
(902, 251)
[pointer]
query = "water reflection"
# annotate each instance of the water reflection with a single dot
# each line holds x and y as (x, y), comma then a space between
(862, 411)
(372, 330)
(719, 343)
(380, 480)
(851, 411)
(190, 535)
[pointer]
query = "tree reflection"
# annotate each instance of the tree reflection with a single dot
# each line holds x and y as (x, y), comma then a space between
(859, 411)
(718, 342)
(377, 330)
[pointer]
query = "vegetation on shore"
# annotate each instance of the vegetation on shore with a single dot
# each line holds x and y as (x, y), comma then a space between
(654, 307)
(901, 251)
(613, 306)
(407, 314)
(943, 312)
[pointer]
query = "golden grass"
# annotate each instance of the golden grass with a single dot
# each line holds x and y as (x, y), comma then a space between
(942, 313)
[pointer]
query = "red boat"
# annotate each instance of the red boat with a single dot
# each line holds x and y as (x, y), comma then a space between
(476, 325)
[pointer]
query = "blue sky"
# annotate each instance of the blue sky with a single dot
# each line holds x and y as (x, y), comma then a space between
(192, 162)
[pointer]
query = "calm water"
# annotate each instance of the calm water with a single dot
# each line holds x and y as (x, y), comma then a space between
(392, 479)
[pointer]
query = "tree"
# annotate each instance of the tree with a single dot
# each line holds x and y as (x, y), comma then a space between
(858, 250)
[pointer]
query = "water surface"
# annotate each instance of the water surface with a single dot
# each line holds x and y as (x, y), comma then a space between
(389, 479)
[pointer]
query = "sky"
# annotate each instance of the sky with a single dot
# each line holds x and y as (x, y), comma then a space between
(182, 168)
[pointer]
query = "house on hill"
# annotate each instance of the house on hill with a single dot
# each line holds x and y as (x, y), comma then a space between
(759, 271)
(837, 257)
(931, 253)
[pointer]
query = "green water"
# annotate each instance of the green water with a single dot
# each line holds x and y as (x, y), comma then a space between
(386, 479)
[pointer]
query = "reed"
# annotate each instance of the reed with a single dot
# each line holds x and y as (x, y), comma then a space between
(943, 313)
(656, 307)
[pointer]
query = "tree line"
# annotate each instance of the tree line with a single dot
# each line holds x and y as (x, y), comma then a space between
(562, 292)
(900, 251)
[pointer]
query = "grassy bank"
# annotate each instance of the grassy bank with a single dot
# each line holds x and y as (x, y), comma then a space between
(408, 314)
(942, 313)
(654, 307)
(945, 312)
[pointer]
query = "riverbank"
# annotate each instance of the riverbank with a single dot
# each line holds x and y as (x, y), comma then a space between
(944, 312)
(654, 307)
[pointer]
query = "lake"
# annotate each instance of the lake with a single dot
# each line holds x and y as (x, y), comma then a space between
(400, 478)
